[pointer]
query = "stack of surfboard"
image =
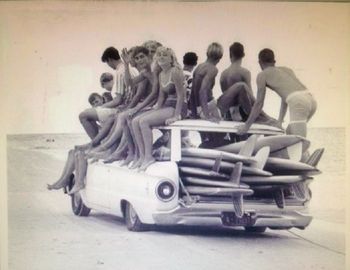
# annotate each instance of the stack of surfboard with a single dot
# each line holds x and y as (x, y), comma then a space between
(250, 168)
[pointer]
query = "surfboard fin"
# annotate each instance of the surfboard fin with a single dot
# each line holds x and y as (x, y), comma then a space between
(279, 198)
(217, 164)
(238, 205)
(261, 157)
(248, 147)
(300, 191)
(315, 157)
(235, 177)
(188, 199)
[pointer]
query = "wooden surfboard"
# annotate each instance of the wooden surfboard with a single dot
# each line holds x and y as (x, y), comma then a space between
(203, 173)
(225, 167)
(204, 182)
(217, 191)
(275, 143)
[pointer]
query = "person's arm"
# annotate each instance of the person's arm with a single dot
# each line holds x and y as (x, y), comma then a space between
(103, 132)
(129, 80)
(115, 102)
(283, 111)
(140, 91)
(222, 82)
(178, 79)
(206, 85)
(151, 97)
(160, 100)
(258, 104)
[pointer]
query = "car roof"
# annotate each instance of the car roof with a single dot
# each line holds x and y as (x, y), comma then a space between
(222, 126)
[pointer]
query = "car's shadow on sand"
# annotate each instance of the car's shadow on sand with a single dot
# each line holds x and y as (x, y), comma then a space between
(215, 231)
(203, 231)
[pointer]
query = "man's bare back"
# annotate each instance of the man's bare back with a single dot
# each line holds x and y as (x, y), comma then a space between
(282, 80)
(202, 87)
(199, 74)
(232, 75)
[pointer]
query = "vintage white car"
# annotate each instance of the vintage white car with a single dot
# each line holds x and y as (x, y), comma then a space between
(160, 195)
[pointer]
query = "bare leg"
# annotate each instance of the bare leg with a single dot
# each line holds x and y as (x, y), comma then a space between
(118, 153)
(67, 171)
(102, 154)
(88, 120)
(115, 133)
(104, 131)
(230, 98)
(132, 149)
(156, 117)
(138, 139)
(81, 169)
(241, 94)
(128, 147)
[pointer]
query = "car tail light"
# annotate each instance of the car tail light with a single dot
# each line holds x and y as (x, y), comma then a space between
(165, 190)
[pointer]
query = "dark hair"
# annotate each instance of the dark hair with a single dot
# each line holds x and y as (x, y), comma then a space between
(106, 77)
(237, 51)
(140, 49)
(190, 59)
(110, 52)
(93, 96)
(107, 97)
(267, 56)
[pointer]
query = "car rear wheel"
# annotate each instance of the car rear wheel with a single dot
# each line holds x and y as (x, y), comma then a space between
(78, 207)
(132, 220)
(255, 229)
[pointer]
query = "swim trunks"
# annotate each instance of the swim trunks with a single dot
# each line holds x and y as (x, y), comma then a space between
(302, 106)
(104, 113)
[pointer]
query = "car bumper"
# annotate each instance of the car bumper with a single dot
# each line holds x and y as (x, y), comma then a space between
(209, 214)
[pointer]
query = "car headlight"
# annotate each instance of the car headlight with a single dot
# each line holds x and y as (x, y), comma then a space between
(165, 190)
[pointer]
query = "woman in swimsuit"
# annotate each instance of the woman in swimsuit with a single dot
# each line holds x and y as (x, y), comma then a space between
(169, 108)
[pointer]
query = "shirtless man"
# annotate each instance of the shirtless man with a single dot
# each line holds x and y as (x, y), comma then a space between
(293, 93)
(203, 104)
(237, 97)
(233, 97)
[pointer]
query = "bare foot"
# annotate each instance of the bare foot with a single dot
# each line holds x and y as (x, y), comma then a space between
(61, 183)
(113, 157)
(128, 159)
(94, 160)
(76, 188)
(99, 155)
(146, 163)
(83, 147)
(136, 164)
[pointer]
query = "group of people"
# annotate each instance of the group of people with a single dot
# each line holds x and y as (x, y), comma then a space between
(152, 89)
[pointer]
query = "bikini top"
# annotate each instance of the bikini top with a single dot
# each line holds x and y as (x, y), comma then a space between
(168, 87)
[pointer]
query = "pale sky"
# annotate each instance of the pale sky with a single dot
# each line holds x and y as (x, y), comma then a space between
(50, 51)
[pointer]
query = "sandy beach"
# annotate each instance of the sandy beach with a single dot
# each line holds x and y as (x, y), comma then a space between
(44, 233)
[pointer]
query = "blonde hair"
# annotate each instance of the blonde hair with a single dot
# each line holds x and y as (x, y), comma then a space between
(174, 62)
(215, 51)
(152, 42)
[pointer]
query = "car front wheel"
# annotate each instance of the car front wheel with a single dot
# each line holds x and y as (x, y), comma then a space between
(132, 220)
(78, 207)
